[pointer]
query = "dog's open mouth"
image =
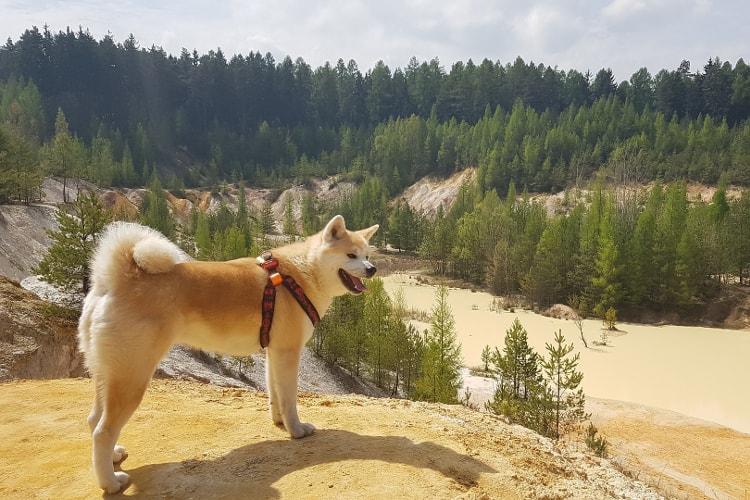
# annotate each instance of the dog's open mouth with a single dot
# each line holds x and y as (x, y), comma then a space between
(352, 283)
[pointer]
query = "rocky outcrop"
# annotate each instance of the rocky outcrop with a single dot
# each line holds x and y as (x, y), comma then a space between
(37, 339)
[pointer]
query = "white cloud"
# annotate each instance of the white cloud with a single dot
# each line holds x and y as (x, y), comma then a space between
(702, 6)
(620, 9)
(548, 30)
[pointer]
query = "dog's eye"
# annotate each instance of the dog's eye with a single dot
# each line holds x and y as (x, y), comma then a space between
(351, 256)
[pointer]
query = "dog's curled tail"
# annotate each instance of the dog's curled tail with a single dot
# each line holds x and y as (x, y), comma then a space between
(125, 249)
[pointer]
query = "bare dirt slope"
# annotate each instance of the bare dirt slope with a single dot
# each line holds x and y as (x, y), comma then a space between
(685, 457)
(23, 237)
(191, 440)
(36, 339)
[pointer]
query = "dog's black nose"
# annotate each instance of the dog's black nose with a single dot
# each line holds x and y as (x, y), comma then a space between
(371, 270)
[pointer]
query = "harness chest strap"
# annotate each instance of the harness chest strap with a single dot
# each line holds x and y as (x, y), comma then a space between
(269, 263)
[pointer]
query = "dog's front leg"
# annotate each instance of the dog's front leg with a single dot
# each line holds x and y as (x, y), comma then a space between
(273, 396)
(282, 369)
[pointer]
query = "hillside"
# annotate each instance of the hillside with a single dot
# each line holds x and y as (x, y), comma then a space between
(682, 457)
(446, 450)
(221, 444)
(35, 342)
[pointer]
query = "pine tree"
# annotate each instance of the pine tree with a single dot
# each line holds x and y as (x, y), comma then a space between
(64, 156)
(543, 283)
(234, 244)
(486, 358)
(290, 223)
(438, 242)
(101, 164)
(408, 347)
(155, 210)
(311, 223)
(73, 243)
(266, 224)
(243, 214)
(519, 380)
(605, 284)
(739, 223)
(379, 323)
(440, 378)
(564, 380)
(338, 339)
(20, 175)
(127, 175)
(202, 236)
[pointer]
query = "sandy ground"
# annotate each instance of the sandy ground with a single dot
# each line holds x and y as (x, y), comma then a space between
(192, 440)
(684, 457)
(665, 397)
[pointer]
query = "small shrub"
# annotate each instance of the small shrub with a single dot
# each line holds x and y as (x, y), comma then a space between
(604, 337)
(52, 311)
(243, 363)
(466, 399)
(597, 444)
(610, 318)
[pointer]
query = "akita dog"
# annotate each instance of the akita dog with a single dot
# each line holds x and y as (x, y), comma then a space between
(147, 295)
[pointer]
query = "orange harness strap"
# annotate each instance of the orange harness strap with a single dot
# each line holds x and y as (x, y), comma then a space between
(269, 263)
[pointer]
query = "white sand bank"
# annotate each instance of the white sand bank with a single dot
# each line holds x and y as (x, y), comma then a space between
(700, 372)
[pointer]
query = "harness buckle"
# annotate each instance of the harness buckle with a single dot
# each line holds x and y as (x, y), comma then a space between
(269, 263)
(275, 279)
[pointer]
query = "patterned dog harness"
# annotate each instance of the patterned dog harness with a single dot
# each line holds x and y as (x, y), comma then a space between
(275, 278)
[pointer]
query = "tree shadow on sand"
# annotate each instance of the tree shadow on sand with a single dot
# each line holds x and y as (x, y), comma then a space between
(252, 470)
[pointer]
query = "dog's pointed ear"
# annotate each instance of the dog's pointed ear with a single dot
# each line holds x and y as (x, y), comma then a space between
(335, 229)
(367, 233)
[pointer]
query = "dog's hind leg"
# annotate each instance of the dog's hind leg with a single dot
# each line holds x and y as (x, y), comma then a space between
(120, 400)
(282, 372)
(120, 388)
(119, 452)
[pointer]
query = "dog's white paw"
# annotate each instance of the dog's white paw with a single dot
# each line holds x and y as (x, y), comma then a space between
(118, 482)
(119, 454)
(303, 429)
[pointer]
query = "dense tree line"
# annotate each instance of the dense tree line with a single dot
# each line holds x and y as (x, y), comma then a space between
(613, 246)
(208, 118)
(607, 248)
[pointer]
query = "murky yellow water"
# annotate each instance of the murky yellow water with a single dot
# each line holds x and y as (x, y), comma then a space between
(699, 372)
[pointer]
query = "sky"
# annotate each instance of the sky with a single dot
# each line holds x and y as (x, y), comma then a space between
(623, 35)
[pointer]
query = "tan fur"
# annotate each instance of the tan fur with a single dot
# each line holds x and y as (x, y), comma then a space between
(147, 295)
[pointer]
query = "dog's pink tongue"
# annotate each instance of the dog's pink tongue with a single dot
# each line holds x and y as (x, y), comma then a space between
(358, 285)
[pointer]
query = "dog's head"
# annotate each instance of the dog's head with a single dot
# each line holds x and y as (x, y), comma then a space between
(347, 253)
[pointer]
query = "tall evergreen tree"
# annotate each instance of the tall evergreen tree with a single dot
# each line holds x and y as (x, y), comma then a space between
(566, 396)
(21, 177)
(606, 283)
(155, 210)
(290, 222)
(64, 156)
(310, 212)
(380, 325)
(440, 378)
(519, 379)
(66, 264)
